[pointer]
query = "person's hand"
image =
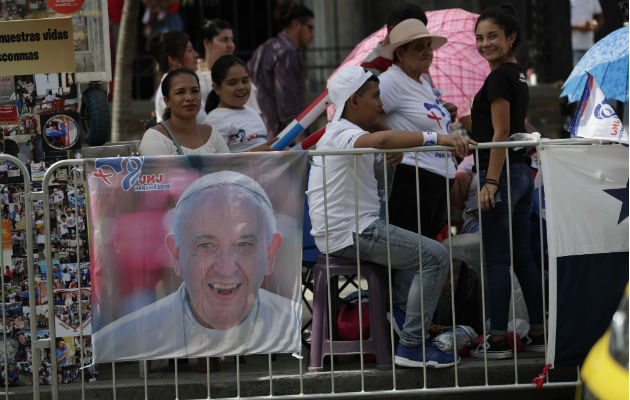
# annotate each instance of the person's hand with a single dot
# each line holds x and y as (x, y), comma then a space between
(452, 109)
(460, 143)
(394, 158)
(487, 196)
(586, 26)
(266, 146)
(593, 25)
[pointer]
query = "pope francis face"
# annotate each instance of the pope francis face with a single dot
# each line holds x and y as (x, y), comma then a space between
(223, 247)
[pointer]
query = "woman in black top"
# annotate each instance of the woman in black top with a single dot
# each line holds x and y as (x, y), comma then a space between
(499, 110)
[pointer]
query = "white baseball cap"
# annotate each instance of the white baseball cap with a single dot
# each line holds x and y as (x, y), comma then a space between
(344, 84)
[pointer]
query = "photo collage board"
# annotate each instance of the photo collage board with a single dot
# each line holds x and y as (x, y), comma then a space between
(40, 125)
(70, 271)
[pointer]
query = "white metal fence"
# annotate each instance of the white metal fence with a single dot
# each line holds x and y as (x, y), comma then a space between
(285, 377)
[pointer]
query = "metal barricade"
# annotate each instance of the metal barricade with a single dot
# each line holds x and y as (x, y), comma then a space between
(293, 382)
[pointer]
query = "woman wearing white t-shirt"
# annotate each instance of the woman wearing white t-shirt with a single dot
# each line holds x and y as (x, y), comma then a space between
(240, 126)
(173, 50)
(180, 133)
(410, 104)
(217, 39)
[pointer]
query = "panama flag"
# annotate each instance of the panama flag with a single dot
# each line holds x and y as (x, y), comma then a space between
(595, 117)
(586, 195)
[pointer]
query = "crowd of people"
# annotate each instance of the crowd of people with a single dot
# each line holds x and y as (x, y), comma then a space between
(388, 102)
(210, 101)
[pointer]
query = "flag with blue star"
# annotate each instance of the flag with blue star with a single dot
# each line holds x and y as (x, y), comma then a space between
(620, 194)
(586, 195)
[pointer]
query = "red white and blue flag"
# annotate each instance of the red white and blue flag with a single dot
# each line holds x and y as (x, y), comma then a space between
(586, 198)
(303, 121)
(595, 117)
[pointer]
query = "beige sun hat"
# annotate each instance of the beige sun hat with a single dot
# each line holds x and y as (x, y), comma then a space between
(408, 31)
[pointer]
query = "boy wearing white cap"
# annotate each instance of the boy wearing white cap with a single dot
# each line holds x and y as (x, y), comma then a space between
(355, 94)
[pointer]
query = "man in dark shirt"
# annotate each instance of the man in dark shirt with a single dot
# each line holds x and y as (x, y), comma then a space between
(278, 69)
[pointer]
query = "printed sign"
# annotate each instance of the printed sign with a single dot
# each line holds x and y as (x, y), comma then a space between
(8, 115)
(209, 244)
(36, 46)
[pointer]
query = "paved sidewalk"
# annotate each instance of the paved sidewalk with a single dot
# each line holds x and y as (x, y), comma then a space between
(254, 379)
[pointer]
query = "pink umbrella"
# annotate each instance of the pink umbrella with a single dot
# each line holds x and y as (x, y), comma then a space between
(457, 69)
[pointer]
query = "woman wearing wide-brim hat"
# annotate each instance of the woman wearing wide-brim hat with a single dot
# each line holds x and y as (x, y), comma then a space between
(410, 104)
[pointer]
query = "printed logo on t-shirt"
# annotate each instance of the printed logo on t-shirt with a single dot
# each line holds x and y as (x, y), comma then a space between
(440, 154)
(241, 136)
(432, 108)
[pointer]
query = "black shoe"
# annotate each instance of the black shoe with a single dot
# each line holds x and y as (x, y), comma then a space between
(494, 350)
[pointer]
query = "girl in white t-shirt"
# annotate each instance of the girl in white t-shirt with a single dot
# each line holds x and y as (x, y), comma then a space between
(241, 127)
(217, 39)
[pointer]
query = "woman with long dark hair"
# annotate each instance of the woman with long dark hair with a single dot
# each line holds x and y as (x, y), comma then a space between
(173, 50)
(499, 110)
(217, 40)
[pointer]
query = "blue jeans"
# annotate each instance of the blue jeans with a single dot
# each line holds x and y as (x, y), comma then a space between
(405, 256)
(496, 247)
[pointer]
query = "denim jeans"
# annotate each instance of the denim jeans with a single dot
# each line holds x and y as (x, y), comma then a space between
(405, 256)
(496, 247)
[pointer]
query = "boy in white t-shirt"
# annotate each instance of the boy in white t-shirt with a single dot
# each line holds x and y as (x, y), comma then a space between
(355, 94)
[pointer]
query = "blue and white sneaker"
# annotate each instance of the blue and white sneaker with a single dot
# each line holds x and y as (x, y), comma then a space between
(399, 318)
(435, 358)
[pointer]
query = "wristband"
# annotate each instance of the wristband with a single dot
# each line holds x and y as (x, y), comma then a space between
(430, 138)
(492, 182)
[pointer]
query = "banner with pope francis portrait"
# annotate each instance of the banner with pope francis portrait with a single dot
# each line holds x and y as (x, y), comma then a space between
(196, 256)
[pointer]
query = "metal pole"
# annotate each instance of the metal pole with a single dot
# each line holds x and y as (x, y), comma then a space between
(358, 258)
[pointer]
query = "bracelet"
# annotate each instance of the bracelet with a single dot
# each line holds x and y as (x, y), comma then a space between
(492, 182)
(430, 138)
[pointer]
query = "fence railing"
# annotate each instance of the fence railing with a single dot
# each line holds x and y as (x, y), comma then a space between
(298, 377)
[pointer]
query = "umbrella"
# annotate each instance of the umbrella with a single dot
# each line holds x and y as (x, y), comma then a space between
(607, 62)
(457, 69)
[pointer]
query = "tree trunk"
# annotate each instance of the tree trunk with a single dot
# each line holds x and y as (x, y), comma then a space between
(123, 70)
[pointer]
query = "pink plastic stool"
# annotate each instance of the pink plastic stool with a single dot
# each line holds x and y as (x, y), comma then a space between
(378, 343)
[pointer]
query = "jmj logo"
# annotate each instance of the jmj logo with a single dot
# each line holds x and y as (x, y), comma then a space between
(130, 166)
(432, 108)
(603, 110)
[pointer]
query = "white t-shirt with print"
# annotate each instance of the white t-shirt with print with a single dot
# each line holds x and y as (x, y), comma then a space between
(63, 227)
(70, 220)
(412, 106)
(340, 174)
(242, 130)
(581, 11)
